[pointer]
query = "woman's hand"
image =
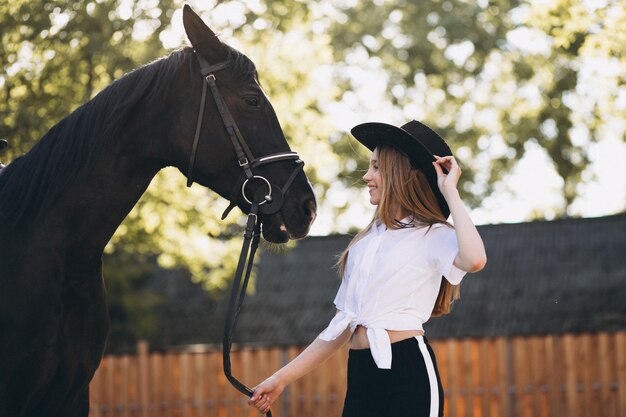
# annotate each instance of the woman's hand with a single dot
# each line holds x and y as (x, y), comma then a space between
(266, 393)
(448, 180)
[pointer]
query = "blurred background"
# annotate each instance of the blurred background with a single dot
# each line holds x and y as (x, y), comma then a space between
(530, 95)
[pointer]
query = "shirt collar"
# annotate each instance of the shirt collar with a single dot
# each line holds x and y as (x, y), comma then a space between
(409, 221)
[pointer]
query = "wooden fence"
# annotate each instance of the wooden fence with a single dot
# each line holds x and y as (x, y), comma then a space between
(568, 375)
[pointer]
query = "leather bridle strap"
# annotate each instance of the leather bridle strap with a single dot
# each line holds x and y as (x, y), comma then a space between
(251, 239)
(238, 293)
(244, 155)
(196, 137)
(206, 70)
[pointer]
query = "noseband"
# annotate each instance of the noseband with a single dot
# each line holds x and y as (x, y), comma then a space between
(267, 199)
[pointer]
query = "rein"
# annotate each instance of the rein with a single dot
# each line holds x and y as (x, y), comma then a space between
(267, 202)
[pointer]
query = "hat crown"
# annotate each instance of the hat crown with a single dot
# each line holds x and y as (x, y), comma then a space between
(427, 137)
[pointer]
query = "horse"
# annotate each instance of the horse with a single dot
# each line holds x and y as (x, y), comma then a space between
(61, 202)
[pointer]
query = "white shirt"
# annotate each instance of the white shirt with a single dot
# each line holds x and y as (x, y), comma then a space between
(391, 282)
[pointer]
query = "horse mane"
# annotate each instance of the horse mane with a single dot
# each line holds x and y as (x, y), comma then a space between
(33, 182)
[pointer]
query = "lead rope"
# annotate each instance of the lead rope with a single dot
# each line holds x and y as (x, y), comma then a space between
(251, 239)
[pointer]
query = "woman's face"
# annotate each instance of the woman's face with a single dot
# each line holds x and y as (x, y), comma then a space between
(373, 180)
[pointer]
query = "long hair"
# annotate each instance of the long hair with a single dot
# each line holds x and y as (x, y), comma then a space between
(406, 189)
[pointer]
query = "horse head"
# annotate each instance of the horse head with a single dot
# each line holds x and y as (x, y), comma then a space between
(239, 149)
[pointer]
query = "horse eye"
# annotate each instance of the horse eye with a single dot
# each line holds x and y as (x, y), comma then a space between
(252, 101)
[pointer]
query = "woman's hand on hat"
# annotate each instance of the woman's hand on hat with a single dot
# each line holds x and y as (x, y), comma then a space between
(448, 173)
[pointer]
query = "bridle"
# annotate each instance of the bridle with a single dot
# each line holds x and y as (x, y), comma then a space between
(272, 201)
(266, 202)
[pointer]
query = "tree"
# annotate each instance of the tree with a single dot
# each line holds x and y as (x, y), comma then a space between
(492, 76)
(57, 55)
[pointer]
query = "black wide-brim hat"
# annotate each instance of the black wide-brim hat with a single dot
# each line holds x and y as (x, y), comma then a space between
(414, 139)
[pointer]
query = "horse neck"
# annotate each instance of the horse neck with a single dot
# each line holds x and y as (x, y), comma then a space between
(94, 206)
(138, 143)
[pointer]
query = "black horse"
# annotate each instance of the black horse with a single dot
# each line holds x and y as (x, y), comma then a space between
(61, 203)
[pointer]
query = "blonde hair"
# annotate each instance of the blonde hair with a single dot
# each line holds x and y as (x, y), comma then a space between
(406, 189)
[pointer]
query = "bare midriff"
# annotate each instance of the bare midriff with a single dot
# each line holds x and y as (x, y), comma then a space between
(359, 337)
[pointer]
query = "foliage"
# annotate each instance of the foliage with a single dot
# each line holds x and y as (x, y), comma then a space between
(492, 76)
(132, 304)
(465, 67)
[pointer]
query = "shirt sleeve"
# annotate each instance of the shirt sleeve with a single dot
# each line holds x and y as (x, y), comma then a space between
(441, 249)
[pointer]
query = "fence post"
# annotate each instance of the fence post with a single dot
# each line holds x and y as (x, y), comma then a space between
(144, 401)
(620, 348)
(509, 385)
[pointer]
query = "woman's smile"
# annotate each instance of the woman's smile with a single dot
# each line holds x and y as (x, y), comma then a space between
(372, 179)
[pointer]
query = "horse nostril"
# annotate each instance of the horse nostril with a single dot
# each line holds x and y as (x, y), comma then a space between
(310, 208)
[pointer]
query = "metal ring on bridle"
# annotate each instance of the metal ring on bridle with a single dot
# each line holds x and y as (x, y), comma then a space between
(267, 198)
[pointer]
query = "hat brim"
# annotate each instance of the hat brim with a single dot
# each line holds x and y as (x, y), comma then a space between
(373, 134)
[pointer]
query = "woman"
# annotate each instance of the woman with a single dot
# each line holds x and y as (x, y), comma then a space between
(403, 268)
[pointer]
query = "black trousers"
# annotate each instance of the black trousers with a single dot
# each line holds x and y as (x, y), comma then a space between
(411, 388)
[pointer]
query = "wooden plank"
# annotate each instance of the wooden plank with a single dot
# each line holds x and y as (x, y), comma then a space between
(504, 376)
(594, 375)
(468, 371)
(198, 382)
(296, 396)
(483, 374)
(156, 387)
(183, 384)
(491, 362)
(310, 381)
(173, 385)
(585, 380)
(454, 403)
(605, 376)
(212, 370)
(570, 370)
(462, 369)
(520, 375)
(553, 355)
(143, 394)
(539, 382)
(620, 349)
(165, 381)
(132, 410)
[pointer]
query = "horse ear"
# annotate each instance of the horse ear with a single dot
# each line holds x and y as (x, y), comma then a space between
(202, 38)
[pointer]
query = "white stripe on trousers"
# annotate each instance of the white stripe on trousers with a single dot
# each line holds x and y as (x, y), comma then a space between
(432, 377)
